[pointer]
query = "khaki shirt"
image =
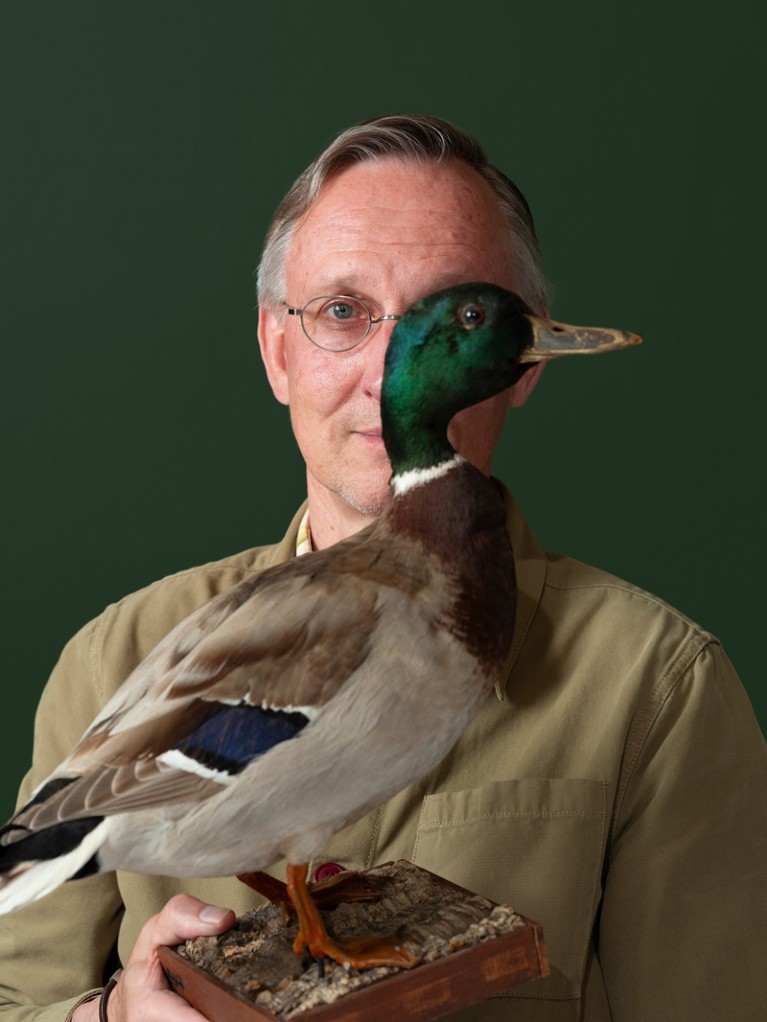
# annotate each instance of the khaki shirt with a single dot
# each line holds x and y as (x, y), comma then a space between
(615, 790)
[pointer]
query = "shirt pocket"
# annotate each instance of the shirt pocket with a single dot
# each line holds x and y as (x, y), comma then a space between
(535, 844)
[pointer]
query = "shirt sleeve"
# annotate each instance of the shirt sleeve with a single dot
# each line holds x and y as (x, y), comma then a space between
(684, 913)
(55, 951)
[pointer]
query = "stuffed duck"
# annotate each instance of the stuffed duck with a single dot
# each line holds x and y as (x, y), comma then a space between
(366, 660)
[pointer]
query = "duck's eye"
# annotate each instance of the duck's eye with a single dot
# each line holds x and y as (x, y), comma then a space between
(471, 316)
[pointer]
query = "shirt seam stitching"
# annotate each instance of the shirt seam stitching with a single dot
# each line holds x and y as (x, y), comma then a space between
(514, 814)
(640, 594)
(648, 717)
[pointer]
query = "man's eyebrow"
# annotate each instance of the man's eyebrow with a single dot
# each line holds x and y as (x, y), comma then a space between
(450, 278)
(338, 287)
(353, 286)
(357, 287)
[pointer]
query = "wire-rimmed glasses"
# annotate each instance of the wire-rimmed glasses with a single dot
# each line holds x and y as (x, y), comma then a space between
(337, 322)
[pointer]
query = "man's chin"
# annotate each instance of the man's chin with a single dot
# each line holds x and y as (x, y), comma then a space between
(365, 487)
(369, 504)
(369, 494)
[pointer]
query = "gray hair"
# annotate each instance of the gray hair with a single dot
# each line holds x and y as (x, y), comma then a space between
(420, 139)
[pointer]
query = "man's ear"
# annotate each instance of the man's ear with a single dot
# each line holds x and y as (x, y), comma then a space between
(271, 340)
(524, 386)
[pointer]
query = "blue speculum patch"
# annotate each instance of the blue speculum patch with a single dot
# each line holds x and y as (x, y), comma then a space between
(236, 735)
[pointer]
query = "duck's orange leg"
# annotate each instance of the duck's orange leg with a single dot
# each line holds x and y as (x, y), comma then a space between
(346, 886)
(272, 889)
(358, 953)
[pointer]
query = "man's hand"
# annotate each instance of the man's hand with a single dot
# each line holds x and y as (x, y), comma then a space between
(142, 993)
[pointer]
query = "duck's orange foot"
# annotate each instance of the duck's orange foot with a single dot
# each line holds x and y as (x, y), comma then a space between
(357, 952)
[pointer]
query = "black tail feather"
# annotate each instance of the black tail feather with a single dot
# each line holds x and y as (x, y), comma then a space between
(44, 844)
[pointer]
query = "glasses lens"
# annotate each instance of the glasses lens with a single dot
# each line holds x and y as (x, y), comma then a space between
(336, 322)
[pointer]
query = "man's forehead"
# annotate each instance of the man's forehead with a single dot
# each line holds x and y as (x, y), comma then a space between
(396, 187)
(349, 227)
(374, 211)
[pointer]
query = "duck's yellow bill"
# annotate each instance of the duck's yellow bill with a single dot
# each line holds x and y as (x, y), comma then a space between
(553, 340)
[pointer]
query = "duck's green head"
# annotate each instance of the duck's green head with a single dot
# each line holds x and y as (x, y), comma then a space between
(456, 348)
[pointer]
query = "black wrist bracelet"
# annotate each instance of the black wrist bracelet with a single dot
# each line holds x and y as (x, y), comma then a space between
(111, 984)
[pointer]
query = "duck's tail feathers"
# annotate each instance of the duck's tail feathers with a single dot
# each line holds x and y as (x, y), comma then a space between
(32, 866)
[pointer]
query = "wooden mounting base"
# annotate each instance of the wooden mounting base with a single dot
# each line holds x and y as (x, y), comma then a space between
(491, 950)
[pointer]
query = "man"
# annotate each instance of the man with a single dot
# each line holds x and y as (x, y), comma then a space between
(614, 789)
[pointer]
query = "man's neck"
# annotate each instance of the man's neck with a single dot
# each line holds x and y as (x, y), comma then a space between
(332, 518)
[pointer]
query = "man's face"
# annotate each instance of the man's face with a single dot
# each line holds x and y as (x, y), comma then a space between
(389, 234)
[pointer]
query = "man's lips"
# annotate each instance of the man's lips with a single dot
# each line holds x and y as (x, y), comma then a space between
(371, 436)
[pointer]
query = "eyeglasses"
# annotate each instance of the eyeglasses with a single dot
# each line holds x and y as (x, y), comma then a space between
(337, 322)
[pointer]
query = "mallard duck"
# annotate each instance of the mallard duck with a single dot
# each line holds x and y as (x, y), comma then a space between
(366, 660)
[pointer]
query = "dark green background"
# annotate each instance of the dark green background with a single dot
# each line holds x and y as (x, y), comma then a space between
(144, 147)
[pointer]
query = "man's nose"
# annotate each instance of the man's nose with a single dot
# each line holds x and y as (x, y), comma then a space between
(375, 351)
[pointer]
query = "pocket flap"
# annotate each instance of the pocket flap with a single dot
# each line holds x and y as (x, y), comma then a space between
(536, 844)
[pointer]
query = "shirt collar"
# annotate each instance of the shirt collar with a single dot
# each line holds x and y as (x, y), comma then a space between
(304, 536)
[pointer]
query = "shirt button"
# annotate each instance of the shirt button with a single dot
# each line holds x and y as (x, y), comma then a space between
(325, 870)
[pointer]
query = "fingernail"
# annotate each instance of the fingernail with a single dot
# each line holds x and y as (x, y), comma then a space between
(212, 914)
